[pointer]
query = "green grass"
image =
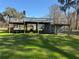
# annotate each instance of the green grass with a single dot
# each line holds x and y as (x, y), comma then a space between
(34, 46)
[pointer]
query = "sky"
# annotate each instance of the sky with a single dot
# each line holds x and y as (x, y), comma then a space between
(33, 8)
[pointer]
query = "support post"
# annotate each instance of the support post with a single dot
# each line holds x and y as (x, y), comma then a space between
(69, 30)
(55, 30)
(9, 28)
(24, 28)
(64, 30)
(9, 24)
(37, 28)
(50, 28)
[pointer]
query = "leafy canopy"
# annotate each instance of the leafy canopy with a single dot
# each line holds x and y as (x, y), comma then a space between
(11, 12)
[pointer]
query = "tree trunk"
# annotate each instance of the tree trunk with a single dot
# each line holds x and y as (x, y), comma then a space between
(77, 23)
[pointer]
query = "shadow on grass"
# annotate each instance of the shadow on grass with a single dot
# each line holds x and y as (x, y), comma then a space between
(34, 46)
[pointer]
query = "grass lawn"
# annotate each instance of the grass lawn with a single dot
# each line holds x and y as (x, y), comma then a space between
(34, 46)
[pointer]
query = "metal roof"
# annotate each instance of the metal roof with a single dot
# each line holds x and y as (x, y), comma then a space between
(31, 19)
(37, 20)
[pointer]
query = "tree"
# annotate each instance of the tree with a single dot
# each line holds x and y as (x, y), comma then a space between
(19, 15)
(2, 21)
(1, 18)
(54, 13)
(57, 15)
(73, 17)
(13, 13)
(71, 3)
